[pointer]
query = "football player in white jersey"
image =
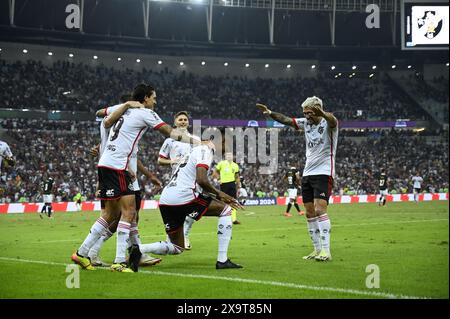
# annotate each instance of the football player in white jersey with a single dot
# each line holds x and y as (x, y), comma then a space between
(171, 153)
(115, 179)
(189, 192)
(136, 166)
(321, 133)
(6, 154)
(417, 185)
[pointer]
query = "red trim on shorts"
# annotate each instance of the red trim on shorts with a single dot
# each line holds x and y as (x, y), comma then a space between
(201, 215)
(162, 156)
(203, 165)
(330, 185)
(174, 230)
(123, 182)
(159, 125)
(192, 201)
(111, 168)
(109, 198)
(295, 123)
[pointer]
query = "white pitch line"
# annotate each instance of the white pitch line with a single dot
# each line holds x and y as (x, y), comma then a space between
(248, 281)
(162, 236)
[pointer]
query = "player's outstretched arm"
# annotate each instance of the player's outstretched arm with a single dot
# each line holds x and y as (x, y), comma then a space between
(152, 177)
(180, 136)
(203, 181)
(281, 118)
(168, 161)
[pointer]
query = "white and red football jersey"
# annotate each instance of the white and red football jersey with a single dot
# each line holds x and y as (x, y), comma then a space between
(5, 151)
(182, 187)
(124, 137)
(172, 149)
(104, 132)
(321, 145)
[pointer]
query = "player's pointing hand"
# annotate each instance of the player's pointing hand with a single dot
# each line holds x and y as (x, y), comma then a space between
(263, 108)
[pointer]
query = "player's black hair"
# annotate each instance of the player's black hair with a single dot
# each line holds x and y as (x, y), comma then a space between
(126, 97)
(141, 91)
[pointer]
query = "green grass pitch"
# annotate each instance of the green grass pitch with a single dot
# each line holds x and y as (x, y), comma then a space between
(408, 242)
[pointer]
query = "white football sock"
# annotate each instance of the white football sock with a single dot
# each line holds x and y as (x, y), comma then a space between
(123, 237)
(95, 250)
(188, 225)
(325, 229)
(95, 233)
(161, 248)
(314, 232)
(134, 235)
(224, 231)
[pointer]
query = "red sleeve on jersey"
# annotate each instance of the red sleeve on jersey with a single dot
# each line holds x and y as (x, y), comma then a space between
(159, 125)
(203, 165)
(295, 123)
(162, 156)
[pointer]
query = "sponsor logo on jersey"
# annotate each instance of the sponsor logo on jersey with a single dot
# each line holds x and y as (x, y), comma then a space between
(111, 148)
(110, 192)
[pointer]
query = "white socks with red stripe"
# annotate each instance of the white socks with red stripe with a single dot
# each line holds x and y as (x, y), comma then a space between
(134, 235)
(325, 229)
(314, 232)
(161, 248)
(95, 250)
(188, 225)
(95, 233)
(224, 230)
(123, 236)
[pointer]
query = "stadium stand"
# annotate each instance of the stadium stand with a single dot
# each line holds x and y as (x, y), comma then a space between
(230, 97)
(60, 149)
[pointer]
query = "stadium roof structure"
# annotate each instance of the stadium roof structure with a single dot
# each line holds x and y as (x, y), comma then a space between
(302, 29)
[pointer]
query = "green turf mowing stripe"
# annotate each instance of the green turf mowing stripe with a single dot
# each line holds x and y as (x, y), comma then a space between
(242, 280)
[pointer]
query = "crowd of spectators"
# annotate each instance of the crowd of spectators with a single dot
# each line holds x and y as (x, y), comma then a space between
(60, 149)
(66, 86)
